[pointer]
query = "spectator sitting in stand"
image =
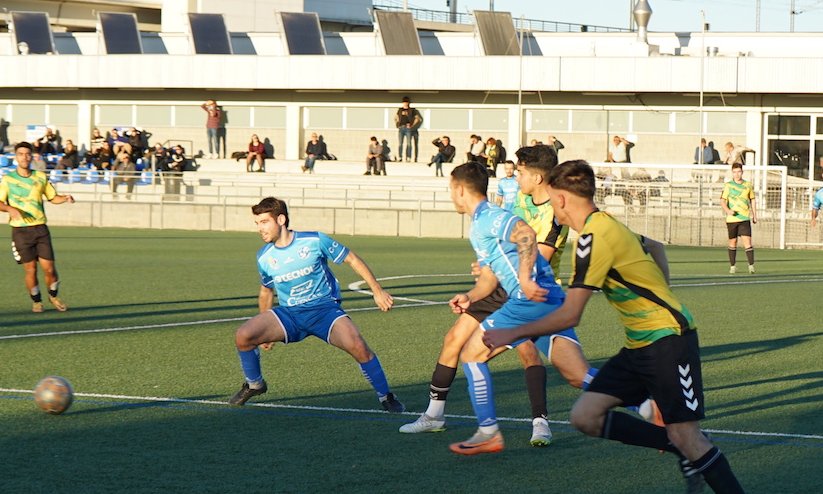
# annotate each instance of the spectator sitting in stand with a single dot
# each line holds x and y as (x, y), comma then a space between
(125, 172)
(489, 156)
(70, 158)
(137, 141)
(445, 154)
(95, 144)
(38, 163)
(103, 157)
(49, 143)
(160, 157)
(118, 142)
(476, 148)
(315, 150)
(374, 158)
(257, 152)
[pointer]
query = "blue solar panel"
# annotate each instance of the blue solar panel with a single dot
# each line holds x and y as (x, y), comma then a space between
(209, 34)
(120, 33)
(303, 34)
(32, 32)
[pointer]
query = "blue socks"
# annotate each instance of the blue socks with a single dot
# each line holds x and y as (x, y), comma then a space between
(373, 372)
(250, 362)
(481, 393)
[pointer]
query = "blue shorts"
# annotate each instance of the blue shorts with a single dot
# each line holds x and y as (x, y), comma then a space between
(315, 320)
(518, 312)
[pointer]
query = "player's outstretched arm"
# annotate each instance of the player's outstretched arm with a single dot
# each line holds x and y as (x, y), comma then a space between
(61, 198)
(526, 240)
(565, 317)
(381, 297)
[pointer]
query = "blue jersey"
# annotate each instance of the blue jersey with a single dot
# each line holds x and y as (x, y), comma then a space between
(507, 188)
(300, 272)
(818, 199)
(490, 232)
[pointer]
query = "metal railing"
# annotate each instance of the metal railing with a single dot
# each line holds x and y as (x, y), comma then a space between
(533, 25)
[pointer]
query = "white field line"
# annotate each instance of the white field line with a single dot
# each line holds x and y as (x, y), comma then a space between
(158, 399)
(356, 288)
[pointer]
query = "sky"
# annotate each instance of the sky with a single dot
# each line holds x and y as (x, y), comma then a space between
(667, 16)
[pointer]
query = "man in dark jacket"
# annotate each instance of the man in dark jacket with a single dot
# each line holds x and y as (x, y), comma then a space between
(445, 153)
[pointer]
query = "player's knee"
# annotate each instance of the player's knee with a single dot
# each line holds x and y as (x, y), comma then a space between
(529, 355)
(585, 420)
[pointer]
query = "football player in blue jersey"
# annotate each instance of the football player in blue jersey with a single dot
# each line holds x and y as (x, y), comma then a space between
(295, 264)
(506, 249)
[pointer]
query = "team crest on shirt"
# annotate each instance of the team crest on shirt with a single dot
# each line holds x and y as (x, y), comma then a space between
(303, 252)
(273, 262)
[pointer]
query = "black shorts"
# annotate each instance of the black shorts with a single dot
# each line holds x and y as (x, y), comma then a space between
(29, 243)
(739, 229)
(668, 370)
(483, 308)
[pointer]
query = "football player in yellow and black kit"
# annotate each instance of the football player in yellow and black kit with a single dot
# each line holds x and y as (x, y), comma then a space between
(21, 196)
(737, 200)
(661, 356)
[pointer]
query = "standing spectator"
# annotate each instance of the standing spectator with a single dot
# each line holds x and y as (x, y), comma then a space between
(507, 188)
(374, 158)
(21, 196)
(125, 172)
(315, 150)
(704, 153)
(445, 154)
(619, 150)
(214, 124)
(408, 120)
(555, 143)
(70, 159)
(735, 154)
(737, 201)
(257, 152)
(476, 148)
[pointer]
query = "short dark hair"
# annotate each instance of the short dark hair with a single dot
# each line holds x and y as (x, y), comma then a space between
(406, 99)
(273, 206)
(540, 158)
(575, 176)
(473, 175)
(23, 144)
(737, 165)
(373, 138)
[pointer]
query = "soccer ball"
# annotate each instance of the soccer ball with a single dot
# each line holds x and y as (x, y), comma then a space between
(53, 395)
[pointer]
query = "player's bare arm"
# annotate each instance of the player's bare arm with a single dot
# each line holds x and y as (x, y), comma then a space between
(12, 211)
(567, 316)
(484, 284)
(658, 252)
(61, 198)
(754, 212)
(265, 299)
(526, 240)
(381, 297)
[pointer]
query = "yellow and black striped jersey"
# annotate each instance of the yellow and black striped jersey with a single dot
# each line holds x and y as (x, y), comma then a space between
(26, 194)
(541, 218)
(739, 197)
(611, 257)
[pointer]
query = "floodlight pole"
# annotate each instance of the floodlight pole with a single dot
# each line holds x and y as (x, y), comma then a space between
(520, 84)
(702, 74)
